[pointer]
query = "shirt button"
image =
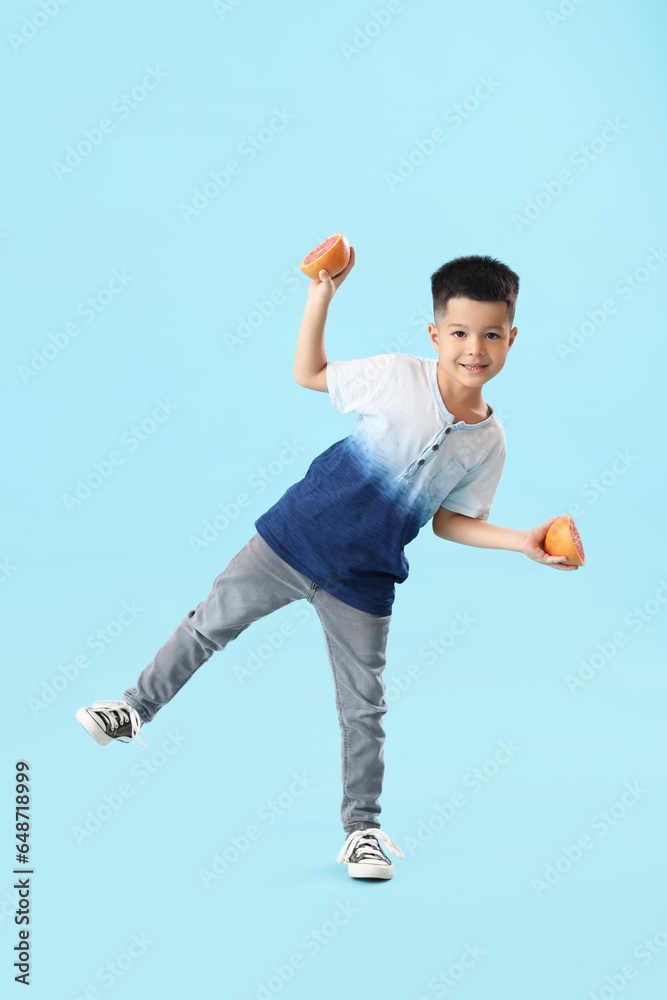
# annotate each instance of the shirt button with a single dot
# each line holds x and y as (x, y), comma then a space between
(420, 462)
(435, 447)
(447, 430)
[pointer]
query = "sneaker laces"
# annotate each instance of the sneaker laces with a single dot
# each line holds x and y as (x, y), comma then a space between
(116, 714)
(356, 840)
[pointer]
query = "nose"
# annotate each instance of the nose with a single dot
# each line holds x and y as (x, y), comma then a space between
(476, 347)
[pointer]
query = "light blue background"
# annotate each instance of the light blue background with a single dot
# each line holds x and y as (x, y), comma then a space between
(67, 574)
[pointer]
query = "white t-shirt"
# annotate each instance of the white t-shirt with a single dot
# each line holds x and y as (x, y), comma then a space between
(346, 523)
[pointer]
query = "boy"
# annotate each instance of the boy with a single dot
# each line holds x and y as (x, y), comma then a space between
(425, 446)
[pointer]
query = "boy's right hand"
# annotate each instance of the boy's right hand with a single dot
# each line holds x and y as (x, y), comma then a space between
(323, 289)
(533, 547)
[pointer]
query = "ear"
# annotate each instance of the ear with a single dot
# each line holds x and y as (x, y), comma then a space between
(433, 334)
(513, 333)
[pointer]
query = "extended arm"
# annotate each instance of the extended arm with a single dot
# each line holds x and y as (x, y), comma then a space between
(473, 531)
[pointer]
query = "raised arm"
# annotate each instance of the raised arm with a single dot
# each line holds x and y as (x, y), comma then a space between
(310, 361)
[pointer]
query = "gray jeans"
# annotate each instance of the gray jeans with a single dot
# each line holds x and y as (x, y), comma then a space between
(255, 583)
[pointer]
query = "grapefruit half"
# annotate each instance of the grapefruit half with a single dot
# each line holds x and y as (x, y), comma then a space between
(332, 256)
(562, 539)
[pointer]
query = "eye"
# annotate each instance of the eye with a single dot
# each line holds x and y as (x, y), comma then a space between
(455, 333)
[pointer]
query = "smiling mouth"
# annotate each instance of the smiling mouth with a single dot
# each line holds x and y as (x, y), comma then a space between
(474, 368)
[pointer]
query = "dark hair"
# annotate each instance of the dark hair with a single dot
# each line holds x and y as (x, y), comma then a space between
(482, 278)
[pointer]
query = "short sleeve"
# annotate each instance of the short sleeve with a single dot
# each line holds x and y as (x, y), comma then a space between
(474, 493)
(353, 384)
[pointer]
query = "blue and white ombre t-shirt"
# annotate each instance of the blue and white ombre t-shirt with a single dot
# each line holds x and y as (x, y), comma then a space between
(345, 525)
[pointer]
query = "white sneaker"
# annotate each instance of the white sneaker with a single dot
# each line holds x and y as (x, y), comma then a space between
(111, 720)
(364, 856)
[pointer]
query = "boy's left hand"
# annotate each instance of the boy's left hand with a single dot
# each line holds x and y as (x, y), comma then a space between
(533, 547)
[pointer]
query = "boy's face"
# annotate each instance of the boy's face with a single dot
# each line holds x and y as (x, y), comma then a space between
(471, 334)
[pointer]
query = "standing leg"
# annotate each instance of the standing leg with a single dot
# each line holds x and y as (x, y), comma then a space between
(356, 643)
(255, 583)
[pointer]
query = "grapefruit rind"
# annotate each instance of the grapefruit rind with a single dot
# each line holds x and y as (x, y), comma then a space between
(331, 255)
